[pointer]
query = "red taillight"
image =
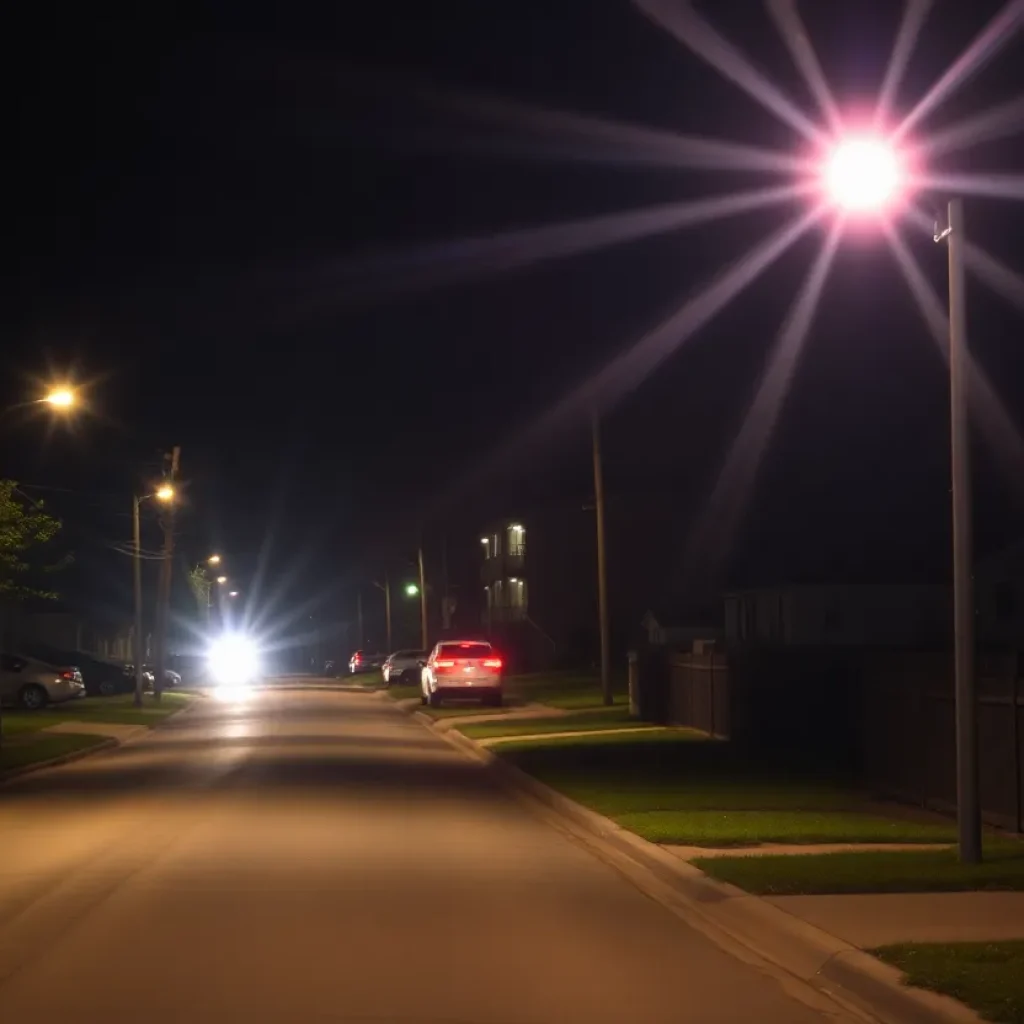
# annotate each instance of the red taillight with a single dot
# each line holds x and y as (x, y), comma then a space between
(492, 662)
(356, 658)
(444, 664)
(67, 674)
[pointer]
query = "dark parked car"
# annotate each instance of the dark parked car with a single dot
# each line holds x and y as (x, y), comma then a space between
(101, 678)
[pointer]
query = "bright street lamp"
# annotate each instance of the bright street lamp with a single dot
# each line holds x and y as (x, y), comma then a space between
(411, 590)
(222, 579)
(164, 493)
(61, 398)
(213, 560)
(863, 174)
(233, 593)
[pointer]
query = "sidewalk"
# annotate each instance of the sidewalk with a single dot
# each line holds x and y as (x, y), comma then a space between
(824, 939)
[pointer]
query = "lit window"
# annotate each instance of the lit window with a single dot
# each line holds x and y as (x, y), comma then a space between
(516, 540)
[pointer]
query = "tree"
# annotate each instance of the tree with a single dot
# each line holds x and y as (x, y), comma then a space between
(201, 585)
(24, 525)
(24, 528)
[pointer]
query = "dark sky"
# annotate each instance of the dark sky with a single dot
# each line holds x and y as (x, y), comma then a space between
(206, 208)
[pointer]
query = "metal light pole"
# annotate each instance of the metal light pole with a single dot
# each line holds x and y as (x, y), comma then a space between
(423, 602)
(967, 798)
(137, 586)
(386, 587)
(602, 575)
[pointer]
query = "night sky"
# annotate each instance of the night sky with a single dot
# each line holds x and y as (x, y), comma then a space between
(207, 223)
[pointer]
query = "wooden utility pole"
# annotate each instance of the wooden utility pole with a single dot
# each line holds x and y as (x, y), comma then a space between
(387, 609)
(137, 593)
(359, 616)
(602, 574)
(423, 601)
(164, 592)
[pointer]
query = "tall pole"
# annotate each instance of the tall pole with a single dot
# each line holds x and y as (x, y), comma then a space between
(137, 588)
(359, 616)
(387, 609)
(423, 601)
(602, 572)
(164, 593)
(968, 804)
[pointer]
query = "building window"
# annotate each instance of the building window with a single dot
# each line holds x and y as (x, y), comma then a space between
(517, 598)
(516, 540)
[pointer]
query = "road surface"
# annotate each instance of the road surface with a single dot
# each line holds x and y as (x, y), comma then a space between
(317, 856)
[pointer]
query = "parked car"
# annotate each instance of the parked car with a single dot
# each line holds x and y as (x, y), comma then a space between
(363, 662)
(171, 678)
(101, 678)
(32, 684)
(402, 666)
(462, 669)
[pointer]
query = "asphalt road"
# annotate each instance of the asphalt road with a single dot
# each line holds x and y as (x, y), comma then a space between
(315, 857)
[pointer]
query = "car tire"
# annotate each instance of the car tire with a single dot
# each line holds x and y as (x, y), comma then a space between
(423, 698)
(106, 688)
(33, 697)
(435, 699)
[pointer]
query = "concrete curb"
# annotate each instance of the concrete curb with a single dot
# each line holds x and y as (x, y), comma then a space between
(827, 963)
(106, 744)
(54, 762)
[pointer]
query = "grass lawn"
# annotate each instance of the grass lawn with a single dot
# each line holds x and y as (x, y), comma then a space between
(119, 710)
(673, 785)
(570, 690)
(597, 718)
(31, 749)
(402, 691)
(987, 976)
(896, 871)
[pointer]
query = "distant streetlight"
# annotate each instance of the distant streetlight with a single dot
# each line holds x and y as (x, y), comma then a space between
(232, 593)
(214, 560)
(411, 590)
(61, 398)
(164, 493)
(222, 579)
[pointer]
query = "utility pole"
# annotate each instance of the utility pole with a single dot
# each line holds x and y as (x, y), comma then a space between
(446, 611)
(967, 798)
(164, 592)
(137, 588)
(359, 615)
(602, 576)
(423, 601)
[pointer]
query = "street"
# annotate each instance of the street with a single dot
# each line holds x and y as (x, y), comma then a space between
(311, 855)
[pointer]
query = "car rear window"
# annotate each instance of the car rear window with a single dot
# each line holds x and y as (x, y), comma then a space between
(465, 650)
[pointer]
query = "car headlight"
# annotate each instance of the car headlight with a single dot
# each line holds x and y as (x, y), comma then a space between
(233, 660)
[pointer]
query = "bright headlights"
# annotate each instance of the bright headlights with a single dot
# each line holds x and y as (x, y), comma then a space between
(233, 660)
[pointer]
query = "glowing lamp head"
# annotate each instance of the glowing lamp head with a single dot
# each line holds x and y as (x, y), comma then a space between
(165, 493)
(863, 174)
(61, 398)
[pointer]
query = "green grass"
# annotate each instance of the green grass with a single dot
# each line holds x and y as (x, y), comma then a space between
(118, 710)
(882, 871)
(749, 828)
(30, 749)
(403, 691)
(570, 690)
(987, 976)
(598, 718)
(677, 786)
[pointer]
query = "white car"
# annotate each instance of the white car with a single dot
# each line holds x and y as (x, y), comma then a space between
(403, 665)
(32, 684)
(463, 670)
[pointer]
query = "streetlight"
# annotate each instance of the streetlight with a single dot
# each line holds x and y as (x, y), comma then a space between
(222, 579)
(232, 593)
(865, 175)
(61, 397)
(411, 590)
(165, 494)
(213, 560)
